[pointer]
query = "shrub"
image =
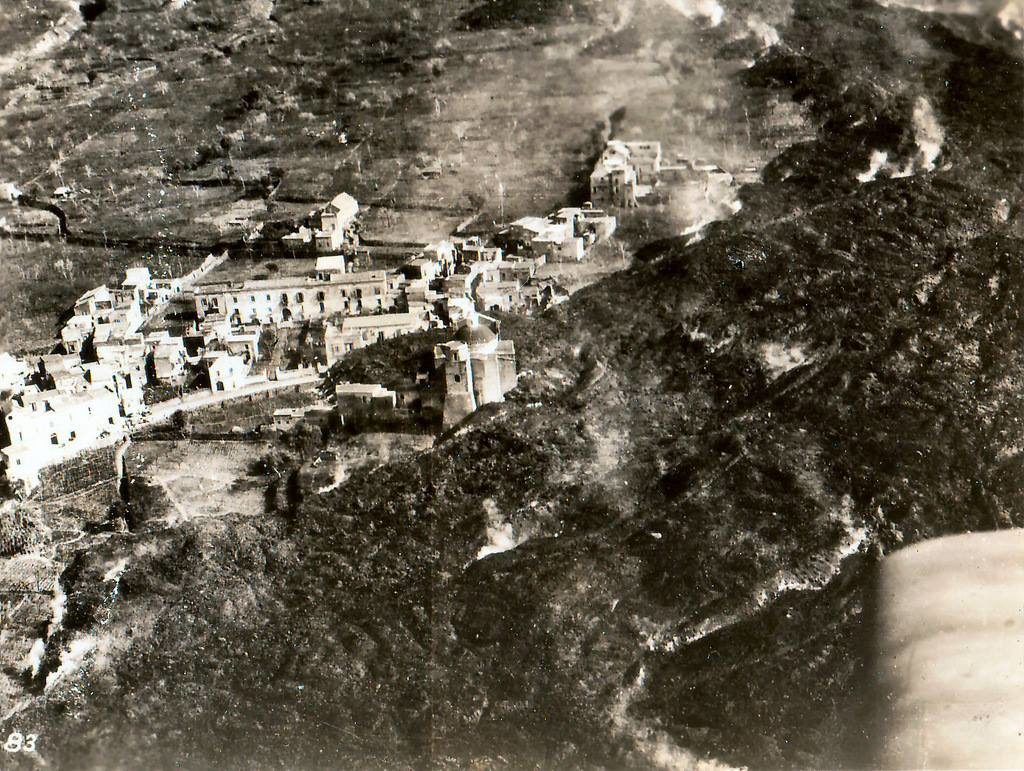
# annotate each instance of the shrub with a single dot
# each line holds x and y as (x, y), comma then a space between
(20, 530)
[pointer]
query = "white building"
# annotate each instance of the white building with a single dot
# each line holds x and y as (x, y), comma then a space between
(272, 301)
(500, 296)
(459, 309)
(473, 249)
(625, 172)
(47, 427)
(419, 297)
(538, 236)
(360, 331)
(336, 221)
(460, 284)
(163, 290)
(13, 373)
(127, 385)
(211, 328)
(329, 266)
(245, 343)
(137, 281)
(126, 353)
(75, 332)
(227, 372)
(62, 372)
(444, 254)
(114, 312)
(169, 358)
(355, 398)
(592, 224)
(94, 301)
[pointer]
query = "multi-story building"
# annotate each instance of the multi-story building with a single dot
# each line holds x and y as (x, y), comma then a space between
(458, 309)
(459, 284)
(115, 313)
(227, 372)
(98, 301)
(358, 332)
(515, 270)
(137, 281)
(126, 353)
(329, 266)
(47, 427)
(500, 296)
(169, 359)
(541, 236)
(245, 343)
(330, 228)
(76, 332)
(587, 222)
(473, 249)
(127, 384)
(271, 301)
(61, 372)
(613, 180)
(336, 224)
(625, 172)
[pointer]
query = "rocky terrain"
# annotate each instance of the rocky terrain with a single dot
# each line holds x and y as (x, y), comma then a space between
(659, 552)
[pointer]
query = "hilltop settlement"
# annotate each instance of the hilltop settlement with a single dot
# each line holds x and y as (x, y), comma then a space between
(144, 352)
(140, 353)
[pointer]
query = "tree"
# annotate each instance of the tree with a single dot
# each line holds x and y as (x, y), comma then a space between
(181, 423)
(20, 528)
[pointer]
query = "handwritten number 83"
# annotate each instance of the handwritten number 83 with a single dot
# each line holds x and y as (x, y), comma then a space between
(19, 742)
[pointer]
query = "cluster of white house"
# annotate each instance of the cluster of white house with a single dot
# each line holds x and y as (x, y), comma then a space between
(446, 283)
(630, 171)
(61, 407)
(455, 279)
(64, 403)
(60, 404)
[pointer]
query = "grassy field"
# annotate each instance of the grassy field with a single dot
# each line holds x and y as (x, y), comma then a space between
(199, 476)
(415, 226)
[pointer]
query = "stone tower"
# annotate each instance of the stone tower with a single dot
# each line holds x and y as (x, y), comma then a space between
(478, 369)
(459, 398)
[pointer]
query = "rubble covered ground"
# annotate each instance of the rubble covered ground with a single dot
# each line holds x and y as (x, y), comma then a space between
(658, 552)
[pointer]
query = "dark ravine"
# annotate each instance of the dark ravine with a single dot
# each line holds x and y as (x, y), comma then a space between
(42, 204)
(698, 525)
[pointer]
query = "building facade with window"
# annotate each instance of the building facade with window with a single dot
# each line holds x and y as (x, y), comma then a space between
(47, 427)
(358, 332)
(272, 301)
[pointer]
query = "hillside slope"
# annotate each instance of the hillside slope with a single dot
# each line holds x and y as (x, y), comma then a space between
(705, 457)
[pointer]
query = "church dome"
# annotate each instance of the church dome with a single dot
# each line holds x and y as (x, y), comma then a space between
(475, 335)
